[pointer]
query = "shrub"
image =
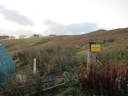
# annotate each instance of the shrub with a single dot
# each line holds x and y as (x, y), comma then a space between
(107, 80)
(111, 40)
(71, 85)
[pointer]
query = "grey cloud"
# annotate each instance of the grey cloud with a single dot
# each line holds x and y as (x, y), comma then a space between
(54, 27)
(83, 27)
(14, 16)
(61, 29)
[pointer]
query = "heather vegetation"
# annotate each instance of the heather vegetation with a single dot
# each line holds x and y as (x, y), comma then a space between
(49, 59)
(68, 54)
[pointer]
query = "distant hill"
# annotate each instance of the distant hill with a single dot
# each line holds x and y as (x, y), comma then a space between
(107, 34)
(99, 35)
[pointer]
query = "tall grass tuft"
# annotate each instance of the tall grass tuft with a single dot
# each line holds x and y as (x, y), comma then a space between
(25, 83)
(49, 59)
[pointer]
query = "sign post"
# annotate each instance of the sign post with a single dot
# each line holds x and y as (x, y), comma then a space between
(93, 49)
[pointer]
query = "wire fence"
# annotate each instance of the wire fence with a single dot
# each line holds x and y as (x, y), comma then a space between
(113, 56)
(28, 84)
(22, 84)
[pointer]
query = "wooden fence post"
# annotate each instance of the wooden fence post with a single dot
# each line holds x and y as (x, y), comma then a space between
(91, 59)
(34, 66)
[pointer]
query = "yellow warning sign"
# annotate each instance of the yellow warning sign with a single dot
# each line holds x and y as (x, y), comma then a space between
(95, 48)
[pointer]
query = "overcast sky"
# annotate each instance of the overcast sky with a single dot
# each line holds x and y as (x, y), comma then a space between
(62, 17)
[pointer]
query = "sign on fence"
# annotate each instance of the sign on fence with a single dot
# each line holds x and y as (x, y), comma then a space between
(95, 48)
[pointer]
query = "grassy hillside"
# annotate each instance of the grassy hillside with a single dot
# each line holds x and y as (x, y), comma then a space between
(67, 53)
(119, 35)
(110, 40)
